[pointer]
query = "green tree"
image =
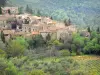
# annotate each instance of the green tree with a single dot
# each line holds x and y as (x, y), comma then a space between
(93, 34)
(2, 53)
(92, 47)
(22, 41)
(89, 30)
(20, 10)
(69, 22)
(0, 10)
(48, 37)
(38, 13)
(7, 67)
(3, 66)
(79, 43)
(15, 48)
(66, 22)
(2, 37)
(28, 10)
(98, 30)
(36, 41)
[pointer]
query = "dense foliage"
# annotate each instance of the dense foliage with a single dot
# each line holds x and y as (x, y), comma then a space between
(81, 12)
(39, 56)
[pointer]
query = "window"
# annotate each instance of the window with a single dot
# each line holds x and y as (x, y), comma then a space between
(29, 29)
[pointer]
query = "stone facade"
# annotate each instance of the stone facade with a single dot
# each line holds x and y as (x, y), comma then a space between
(28, 25)
(9, 10)
(29, 28)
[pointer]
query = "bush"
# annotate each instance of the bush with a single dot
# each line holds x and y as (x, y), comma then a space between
(7, 68)
(36, 72)
(3, 66)
(78, 72)
(65, 53)
(73, 54)
(51, 53)
(15, 48)
(2, 53)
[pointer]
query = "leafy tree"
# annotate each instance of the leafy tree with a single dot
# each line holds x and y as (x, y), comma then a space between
(3, 66)
(15, 48)
(79, 43)
(2, 37)
(7, 68)
(22, 41)
(92, 46)
(2, 53)
(36, 41)
(93, 34)
(59, 15)
(20, 10)
(11, 69)
(56, 43)
(65, 53)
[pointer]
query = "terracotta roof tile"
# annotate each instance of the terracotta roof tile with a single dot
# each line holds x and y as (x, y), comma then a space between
(35, 33)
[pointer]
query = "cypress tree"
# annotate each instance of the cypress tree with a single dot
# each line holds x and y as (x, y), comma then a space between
(89, 30)
(0, 10)
(2, 37)
(69, 22)
(98, 30)
(29, 10)
(48, 37)
(66, 23)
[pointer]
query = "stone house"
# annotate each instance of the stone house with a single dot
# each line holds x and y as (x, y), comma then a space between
(8, 34)
(3, 22)
(9, 10)
(29, 28)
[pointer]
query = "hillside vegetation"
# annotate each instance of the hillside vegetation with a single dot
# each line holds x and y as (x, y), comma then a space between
(81, 12)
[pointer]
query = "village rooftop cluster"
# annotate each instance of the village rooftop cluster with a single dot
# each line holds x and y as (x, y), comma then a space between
(13, 24)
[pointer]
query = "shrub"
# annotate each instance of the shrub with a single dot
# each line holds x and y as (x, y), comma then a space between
(65, 53)
(78, 72)
(3, 66)
(15, 48)
(11, 69)
(2, 53)
(36, 72)
(7, 68)
(73, 54)
(51, 53)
